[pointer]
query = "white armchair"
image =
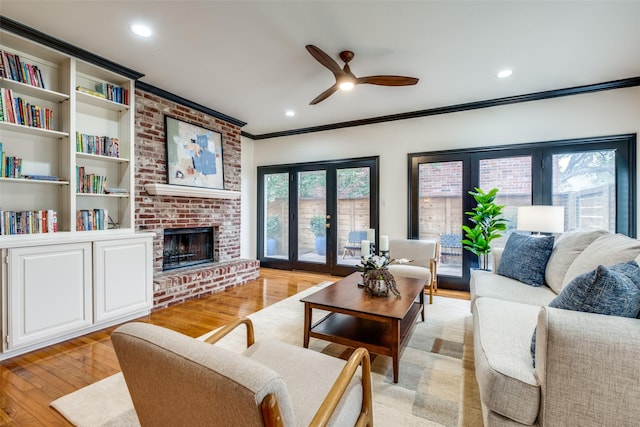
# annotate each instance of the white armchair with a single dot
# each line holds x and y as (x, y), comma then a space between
(423, 254)
(174, 379)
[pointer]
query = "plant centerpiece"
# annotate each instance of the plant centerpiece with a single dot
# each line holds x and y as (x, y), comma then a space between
(317, 223)
(488, 222)
(376, 278)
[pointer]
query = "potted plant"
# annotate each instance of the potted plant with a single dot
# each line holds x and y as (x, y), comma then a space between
(318, 227)
(273, 233)
(488, 222)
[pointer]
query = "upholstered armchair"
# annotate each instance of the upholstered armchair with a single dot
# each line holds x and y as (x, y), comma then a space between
(423, 254)
(174, 379)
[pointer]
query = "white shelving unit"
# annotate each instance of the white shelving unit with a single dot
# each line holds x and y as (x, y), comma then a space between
(67, 283)
(52, 152)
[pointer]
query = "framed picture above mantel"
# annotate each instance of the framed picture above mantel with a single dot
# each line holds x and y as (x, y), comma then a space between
(194, 155)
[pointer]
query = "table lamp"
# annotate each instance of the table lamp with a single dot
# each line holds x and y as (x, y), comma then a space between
(541, 219)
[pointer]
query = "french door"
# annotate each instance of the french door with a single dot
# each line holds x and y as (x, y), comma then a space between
(309, 215)
(593, 179)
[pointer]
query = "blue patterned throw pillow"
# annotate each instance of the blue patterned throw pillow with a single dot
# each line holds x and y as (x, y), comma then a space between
(525, 258)
(613, 291)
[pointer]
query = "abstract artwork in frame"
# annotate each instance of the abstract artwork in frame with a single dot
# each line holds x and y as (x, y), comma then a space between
(194, 155)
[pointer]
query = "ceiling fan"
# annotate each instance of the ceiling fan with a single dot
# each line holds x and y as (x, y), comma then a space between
(345, 79)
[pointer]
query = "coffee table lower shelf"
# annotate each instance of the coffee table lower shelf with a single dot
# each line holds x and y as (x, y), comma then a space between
(377, 336)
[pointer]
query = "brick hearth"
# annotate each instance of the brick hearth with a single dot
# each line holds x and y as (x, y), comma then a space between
(155, 213)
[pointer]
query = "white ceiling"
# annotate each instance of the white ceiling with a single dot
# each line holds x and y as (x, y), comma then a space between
(247, 59)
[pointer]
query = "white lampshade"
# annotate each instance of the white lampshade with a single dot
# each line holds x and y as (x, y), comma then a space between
(541, 219)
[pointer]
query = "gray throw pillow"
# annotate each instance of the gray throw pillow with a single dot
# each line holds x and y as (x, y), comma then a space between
(613, 291)
(525, 258)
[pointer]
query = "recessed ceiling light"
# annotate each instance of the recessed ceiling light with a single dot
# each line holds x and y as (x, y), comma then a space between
(141, 30)
(504, 74)
(290, 113)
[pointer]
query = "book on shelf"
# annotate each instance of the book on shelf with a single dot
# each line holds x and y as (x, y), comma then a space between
(41, 177)
(100, 145)
(28, 222)
(89, 183)
(115, 190)
(13, 68)
(92, 219)
(113, 93)
(90, 92)
(17, 110)
(11, 167)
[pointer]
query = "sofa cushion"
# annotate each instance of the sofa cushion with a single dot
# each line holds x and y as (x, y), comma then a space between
(613, 291)
(567, 247)
(606, 250)
(525, 258)
(606, 290)
(488, 284)
(502, 335)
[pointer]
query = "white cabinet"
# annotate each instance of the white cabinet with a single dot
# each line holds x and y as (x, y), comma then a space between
(53, 291)
(122, 272)
(49, 292)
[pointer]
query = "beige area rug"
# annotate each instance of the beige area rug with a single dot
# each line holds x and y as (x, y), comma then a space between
(436, 385)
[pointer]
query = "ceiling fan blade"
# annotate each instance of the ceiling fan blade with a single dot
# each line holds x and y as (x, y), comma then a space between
(324, 95)
(388, 80)
(325, 59)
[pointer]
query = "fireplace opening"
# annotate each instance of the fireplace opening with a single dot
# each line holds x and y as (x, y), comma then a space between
(184, 247)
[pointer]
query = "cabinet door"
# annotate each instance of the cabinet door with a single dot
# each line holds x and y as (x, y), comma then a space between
(49, 292)
(123, 278)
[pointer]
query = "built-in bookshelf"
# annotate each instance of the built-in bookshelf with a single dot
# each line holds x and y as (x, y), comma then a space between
(66, 244)
(61, 115)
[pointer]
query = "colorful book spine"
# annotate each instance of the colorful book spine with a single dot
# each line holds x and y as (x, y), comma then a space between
(17, 110)
(100, 145)
(89, 183)
(28, 222)
(113, 93)
(92, 219)
(13, 68)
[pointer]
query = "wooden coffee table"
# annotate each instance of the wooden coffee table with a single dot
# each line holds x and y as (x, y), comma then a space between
(382, 325)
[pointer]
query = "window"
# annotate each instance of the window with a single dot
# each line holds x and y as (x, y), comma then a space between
(593, 178)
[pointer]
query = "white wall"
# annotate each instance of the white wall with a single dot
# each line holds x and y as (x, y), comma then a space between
(248, 200)
(596, 114)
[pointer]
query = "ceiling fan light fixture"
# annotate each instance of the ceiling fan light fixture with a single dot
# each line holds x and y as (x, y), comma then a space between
(346, 85)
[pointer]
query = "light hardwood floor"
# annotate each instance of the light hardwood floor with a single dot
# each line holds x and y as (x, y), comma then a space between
(30, 382)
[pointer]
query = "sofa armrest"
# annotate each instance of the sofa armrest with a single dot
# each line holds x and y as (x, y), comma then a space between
(496, 253)
(587, 367)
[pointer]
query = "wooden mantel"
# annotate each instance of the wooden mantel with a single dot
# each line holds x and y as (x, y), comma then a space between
(184, 191)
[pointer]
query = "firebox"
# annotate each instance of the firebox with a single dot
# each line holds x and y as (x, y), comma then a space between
(184, 247)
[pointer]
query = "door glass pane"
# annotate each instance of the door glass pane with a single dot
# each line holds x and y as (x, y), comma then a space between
(585, 184)
(312, 211)
(276, 226)
(353, 212)
(512, 177)
(440, 212)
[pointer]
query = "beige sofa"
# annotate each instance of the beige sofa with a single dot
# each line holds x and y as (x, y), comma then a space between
(587, 370)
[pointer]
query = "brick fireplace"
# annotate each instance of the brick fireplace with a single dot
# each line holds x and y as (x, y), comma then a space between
(157, 213)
